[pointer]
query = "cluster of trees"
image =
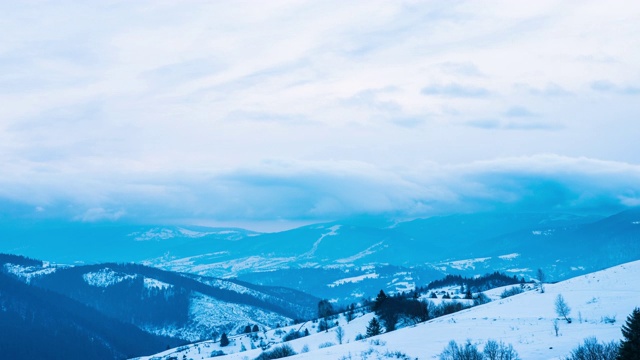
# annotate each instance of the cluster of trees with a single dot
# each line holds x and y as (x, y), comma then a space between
(392, 309)
(250, 329)
(591, 349)
(277, 353)
(627, 349)
(514, 290)
(408, 310)
(295, 334)
(482, 283)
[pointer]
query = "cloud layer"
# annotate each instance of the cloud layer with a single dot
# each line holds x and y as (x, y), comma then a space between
(318, 109)
(308, 192)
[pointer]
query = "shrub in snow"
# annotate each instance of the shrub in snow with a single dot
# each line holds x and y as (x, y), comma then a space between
(468, 351)
(609, 319)
(591, 349)
(277, 353)
(292, 335)
(378, 342)
(494, 350)
(396, 355)
(480, 299)
(326, 345)
(215, 353)
(515, 290)
(447, 308)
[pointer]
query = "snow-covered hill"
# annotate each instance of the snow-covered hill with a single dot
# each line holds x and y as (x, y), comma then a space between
(181, 306)
(599, 302)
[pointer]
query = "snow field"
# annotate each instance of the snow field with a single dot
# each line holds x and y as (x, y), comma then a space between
(524, 321)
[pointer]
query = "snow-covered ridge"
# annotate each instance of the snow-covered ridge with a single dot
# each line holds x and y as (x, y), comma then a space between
(150, 283)
(27, 273)
(333, 231)
(543, 232)
(354, 279)
(165, 234)
(465, 264)
(105, 277)
(509, 256)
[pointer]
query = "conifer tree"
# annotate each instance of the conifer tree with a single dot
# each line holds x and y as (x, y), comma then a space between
(224, 340)
(373, 328)
(630, 345)
(380, 299)
(468, 295)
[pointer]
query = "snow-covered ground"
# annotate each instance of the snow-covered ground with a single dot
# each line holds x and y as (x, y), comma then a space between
(207, 313)
(525, 321)
(27, 273)
(105, 277)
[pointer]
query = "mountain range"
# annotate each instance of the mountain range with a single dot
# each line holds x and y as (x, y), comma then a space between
(344, 260)
(122, 310)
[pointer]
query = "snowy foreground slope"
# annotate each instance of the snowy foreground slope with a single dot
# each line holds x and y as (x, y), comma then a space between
(525, 321)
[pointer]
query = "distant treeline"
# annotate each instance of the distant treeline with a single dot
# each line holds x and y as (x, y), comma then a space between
(475, 284)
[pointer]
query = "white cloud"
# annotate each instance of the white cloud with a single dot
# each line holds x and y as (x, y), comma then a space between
(100, 214)
(160, 108)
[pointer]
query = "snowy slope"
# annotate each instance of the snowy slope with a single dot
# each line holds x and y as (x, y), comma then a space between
(525, 321)
(182, 306)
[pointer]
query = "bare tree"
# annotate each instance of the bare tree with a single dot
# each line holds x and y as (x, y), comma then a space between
(592, 349)
(541, 279)
(556, 328)
(562, 309)
(350, 313)
(339, 334)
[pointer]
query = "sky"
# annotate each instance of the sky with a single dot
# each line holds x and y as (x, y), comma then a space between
(269, 114)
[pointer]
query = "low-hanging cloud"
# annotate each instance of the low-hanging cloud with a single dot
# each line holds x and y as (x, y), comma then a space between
(317, 191)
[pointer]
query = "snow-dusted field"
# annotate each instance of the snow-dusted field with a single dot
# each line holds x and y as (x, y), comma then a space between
(525, 321)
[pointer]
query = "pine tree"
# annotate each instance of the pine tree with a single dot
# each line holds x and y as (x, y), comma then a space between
(468, 295)
(373, 328)
(224, 340)
(380, 299)
(630, 345)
